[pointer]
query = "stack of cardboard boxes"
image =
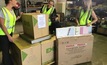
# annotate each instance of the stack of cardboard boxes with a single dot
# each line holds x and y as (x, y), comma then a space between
(75, 46)
(35, 25)
(24, 53)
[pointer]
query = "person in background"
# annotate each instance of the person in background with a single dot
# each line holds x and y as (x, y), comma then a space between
(17, 9)
(84, 14)
(53, 18)
(7, 24)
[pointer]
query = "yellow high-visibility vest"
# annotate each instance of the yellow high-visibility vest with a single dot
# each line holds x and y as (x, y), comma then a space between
(9, 21)
(49, 12)
(84, 17)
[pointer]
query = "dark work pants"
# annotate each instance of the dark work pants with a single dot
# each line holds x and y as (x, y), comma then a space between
(5, 47)
(54, 25)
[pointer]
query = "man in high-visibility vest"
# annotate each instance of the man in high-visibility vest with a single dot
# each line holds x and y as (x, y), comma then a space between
(7, 24)
(85, 12)
(51, 11)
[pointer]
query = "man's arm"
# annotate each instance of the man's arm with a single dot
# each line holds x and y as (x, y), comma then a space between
(3, 27)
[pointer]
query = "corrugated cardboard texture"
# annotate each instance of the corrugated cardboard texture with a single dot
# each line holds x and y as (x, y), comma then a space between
(30, 25)
(48, 51)
(24, 53)
(74, 50)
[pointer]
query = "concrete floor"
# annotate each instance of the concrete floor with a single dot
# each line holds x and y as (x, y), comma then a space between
(99, 49)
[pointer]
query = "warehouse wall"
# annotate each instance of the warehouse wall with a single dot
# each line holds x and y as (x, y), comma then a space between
(37, 0)
(34, 1)
(61, 0)
(1, 3)
(42, 0)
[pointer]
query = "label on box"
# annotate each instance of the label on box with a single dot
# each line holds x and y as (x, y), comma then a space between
(77, 30)
(89, 29)
(41, 21)
(65, 32)
(62, 32)
(83, 30)
(71, 31)
(75, 48)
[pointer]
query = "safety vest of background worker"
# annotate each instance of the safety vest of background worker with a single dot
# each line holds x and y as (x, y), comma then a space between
(49, 12)
(10, 20)
(84, 17)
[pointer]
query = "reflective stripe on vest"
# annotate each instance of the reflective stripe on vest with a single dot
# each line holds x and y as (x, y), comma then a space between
(84, 17)
(9, 21)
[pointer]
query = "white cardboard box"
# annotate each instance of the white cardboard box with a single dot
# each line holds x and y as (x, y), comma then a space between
(65, 32)
(73, 31)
